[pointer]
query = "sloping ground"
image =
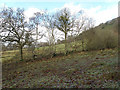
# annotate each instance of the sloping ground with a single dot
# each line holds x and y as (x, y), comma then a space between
(78, 70)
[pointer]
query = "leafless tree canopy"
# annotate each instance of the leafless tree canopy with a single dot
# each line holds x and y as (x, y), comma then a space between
(14, 28)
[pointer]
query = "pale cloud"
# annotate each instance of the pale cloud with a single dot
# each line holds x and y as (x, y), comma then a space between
(107, 14)
(30, 12)
(2, 5)
(97, 13)
(73, 8)
(101, 16)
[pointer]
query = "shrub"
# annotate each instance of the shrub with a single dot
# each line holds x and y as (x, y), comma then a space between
(101, 39)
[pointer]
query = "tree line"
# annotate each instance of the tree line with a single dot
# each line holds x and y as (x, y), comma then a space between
(16, 29)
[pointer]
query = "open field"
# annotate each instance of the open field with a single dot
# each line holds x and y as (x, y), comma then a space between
(81, 70)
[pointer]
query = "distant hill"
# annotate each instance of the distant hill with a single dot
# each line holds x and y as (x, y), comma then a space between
(109, 25)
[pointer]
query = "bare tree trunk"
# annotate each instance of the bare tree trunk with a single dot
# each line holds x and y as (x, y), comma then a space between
(82, 45)
(65, 43)
(75, 46)
(36, 35)
(21, 53)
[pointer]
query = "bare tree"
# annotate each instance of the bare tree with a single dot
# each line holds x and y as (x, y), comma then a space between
(80, 22)
(83, 23)
(31, 47)
(35, 22)
(49, 21)
(65, 23)
(14, 28)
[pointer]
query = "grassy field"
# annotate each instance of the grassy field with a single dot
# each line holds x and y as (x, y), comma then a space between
(14, 55)
(77, 70)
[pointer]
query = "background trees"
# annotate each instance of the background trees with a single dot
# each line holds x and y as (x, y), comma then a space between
(15, 29)
(17, 32)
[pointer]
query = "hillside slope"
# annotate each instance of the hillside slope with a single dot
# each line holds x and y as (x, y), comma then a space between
(109, 25)
(93, 69)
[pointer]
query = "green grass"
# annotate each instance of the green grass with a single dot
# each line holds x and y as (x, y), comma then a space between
(7, 55)
(82, 70)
